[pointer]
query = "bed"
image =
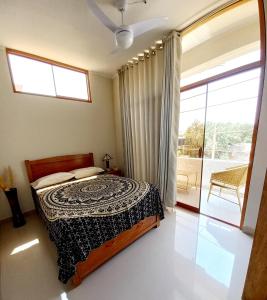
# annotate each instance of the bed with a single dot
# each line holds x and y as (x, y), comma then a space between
(114, 212)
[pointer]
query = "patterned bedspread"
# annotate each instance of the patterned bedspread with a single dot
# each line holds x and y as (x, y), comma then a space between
(83, 214)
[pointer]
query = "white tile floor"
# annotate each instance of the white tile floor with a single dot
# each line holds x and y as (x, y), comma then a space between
(189, 257)
(215, 207)
(220, 208)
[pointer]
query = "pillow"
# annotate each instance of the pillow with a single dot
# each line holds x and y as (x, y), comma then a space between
(86, 172)
(51, 179)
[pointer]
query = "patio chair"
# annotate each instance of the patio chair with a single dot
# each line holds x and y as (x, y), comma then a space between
(232, 178)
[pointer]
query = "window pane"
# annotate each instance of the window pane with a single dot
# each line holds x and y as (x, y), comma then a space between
(190, 145)
(237, 88)
(193, 99)
(221, 67)
(70, 83)
(230, 116)
(193, 103)
(193, 92)
(31, 76)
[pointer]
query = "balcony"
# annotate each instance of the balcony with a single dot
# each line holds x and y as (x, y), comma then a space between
(190, 192)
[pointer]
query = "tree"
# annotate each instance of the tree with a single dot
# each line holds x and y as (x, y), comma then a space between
(219, 138)
(227, 135)
(194, 135)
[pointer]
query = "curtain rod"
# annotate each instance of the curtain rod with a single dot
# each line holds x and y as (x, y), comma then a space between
(214, 13)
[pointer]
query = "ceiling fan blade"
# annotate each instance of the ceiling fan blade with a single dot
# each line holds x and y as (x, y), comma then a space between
(101, 16)
(144, 26)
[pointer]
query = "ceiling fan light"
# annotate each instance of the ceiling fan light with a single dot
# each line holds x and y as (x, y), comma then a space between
(124, 39)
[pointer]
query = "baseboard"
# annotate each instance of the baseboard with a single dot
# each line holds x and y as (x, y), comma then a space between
(26, 213)
(248, 230)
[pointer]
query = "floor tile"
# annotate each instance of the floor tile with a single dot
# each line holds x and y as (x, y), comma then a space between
(189, 257)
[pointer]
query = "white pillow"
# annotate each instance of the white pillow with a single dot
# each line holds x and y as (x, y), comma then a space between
(86, 172)
(51, 179)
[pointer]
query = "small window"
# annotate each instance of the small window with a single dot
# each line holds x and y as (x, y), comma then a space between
(39, 76)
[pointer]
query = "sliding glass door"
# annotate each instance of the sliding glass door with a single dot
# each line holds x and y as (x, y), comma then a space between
(190, 149)
(230, 117)
(215, 135)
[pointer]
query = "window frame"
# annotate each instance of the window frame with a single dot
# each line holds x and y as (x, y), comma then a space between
(52, 63)
(229, 73)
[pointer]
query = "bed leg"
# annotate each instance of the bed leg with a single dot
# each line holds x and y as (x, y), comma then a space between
(76, 280)
(157, 222)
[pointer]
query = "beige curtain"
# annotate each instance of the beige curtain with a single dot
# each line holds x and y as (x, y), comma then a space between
(149, 101)
(170, 111)
(140, 93)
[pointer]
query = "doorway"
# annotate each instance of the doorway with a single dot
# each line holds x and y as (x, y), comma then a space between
(215, 136)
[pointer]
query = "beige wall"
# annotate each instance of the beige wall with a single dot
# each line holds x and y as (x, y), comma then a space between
(33, 127)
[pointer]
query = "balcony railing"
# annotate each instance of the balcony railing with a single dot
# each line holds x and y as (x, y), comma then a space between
(194, 167)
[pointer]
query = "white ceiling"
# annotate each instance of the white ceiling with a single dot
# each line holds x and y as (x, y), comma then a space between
(66, 30)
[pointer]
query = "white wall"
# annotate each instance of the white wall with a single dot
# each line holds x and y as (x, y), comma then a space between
(33, 127)
(260, 162)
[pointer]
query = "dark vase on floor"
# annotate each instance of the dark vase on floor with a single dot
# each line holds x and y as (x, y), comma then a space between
(107, 164)
(17, 216)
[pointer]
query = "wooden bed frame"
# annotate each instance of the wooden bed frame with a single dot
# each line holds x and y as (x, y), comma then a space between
(42, 167)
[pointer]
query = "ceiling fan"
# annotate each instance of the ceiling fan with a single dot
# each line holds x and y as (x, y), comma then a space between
(125, 34)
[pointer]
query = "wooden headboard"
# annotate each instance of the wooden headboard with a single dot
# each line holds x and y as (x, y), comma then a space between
(42, 167)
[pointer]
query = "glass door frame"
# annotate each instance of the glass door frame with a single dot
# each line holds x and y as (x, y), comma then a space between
(252, 66)
(205, 98)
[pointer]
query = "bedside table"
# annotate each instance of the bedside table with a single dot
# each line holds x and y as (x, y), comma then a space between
(113, 172)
